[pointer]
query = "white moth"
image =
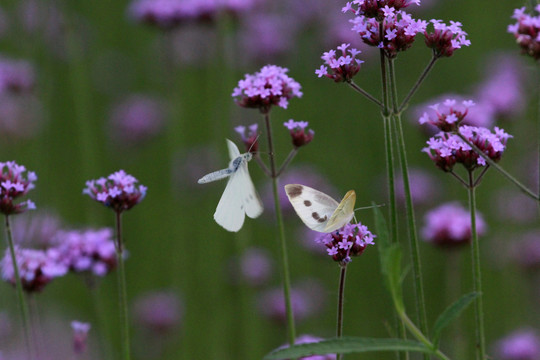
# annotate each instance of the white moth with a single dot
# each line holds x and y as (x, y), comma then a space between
(240, 197)
(319, 211)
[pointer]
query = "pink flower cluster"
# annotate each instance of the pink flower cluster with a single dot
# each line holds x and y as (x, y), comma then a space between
(377, 8)
(445, 39)
(449, 225)
(15, 182)
(349, 241)
(527, 31)
(448, 115)
(16, 76)
(269, 86)
(299, 135)
(447, 149)
(249, 138)
(118, 191)
(344, 67)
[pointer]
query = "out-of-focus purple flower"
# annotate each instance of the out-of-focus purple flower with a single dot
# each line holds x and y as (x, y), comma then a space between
(422, 184)
(119, 191)
(160, 312)
(307, 339)
(449, 225)
(37, 230)
(36, 268)
(447, 149)
(514, 206)
(349, 241)
(344, 67)
(254, 267)
(299, 135)
(87, 250)
(527, 31)
(80, 335)
(137, 119)
(250, 139)
(269, 86)
(16, 76)
(522, 344)
(15, 182)
(448, 115)
(377, 8)
(526, 251)
(445, 39)
(20, 116)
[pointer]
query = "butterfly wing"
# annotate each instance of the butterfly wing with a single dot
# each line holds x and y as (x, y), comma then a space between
(314, 208)
(230, 212)
(233, 150)
(250, 198)
(343, 214)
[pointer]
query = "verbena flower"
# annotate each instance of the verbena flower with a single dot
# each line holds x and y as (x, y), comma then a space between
(399, 31)
(377, 8)
(21, 116)
(119, 191)
(526, 30)
(37, 268)
(522, 344)
(159, 311)
(422, 186)
(445, 39)
(254, 267)
(299, 135)
(446, 149)
(448, 115)
(249, 138)
(342, 68)
(16, 76)
(449, 225)
(349, 241)
(267, 87)
(87, 250)
(306, 339)
(15, 182)
(80, 335)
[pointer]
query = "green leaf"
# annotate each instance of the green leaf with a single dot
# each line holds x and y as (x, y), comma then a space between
(451, 312)
(347, 345)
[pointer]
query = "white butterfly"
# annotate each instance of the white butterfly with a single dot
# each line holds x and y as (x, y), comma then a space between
(319, 211)
(240, 197)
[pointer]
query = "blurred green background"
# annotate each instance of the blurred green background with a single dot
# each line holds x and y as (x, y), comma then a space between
(98, 56)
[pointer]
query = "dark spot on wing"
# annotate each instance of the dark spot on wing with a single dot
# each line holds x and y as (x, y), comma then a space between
(250, 197)
(294, 191)
(317, 217)
(307, 203)
(242, 207)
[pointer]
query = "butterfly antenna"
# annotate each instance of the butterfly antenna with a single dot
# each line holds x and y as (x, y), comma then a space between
(370, 207)
(254, 142)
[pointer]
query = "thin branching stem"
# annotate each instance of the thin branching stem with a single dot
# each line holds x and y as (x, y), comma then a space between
(417, 333)
(262, 165)
(341, 300)
(287, 161)
(419, 82)
(122, 289)
(459, 178)
(358, 89)
(480, 177)
(283, 243)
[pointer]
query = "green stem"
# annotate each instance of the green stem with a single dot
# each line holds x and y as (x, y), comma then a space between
(358, 89)
(283, 243)
(417, 333)
(23, 306)
(413, 236)
(122, 291)
(341, 298)
(287, 161)
(477, 275)
(497, 167)
(419, 82)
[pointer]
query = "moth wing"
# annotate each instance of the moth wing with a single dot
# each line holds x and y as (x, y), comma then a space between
(230, 212)
(343, 214)
(250, 198)
(313, 207)
(233, 150)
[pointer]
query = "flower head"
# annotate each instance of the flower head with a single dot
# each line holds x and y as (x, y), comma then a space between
(445, 39)
(377, 8)
(118, 191)
(15, 182)
(349, 241)
(16, 76)
(449, 225)
(269, 86)
(80, 334)
(36, 268)
(448, 115)
(249, 138)
(526, 30)
(522, 344)
(299, 136)
(254, 267)
(342, 68)
(446, 149)
(159, 311)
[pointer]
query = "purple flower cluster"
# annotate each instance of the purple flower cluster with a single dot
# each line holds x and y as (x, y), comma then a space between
(269, 86)
(249, 138)
(448, 115)
(349, 241)
(449, 225)
(522, 344)
(16, 76)
(527, 31)
(15, 182)
(80, 335)
(118, 191)
(87, 250)
(344, 67)
(445, 39)
(160, 311)
(447, 149)
(255, 267)
(377, 8)
(299, 135)
(36, 268)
